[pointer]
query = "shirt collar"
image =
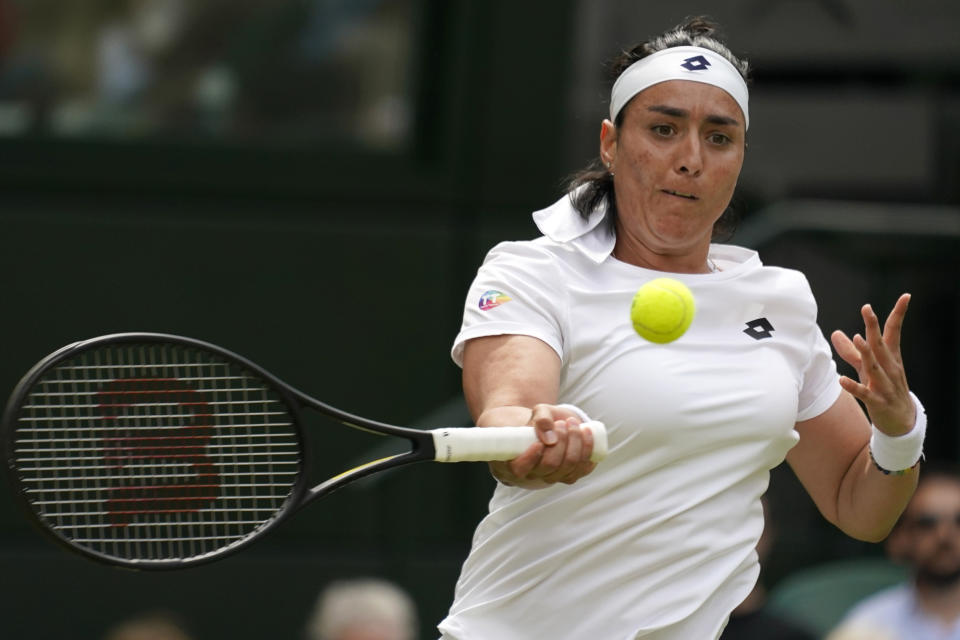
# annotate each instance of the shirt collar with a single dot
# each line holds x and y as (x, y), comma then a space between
(561, 222)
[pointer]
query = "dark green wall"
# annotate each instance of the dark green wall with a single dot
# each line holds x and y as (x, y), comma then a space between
(340, 271)
(343, 272)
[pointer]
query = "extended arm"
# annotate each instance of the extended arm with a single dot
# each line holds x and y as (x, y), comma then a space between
(832, 459)
(513, 380)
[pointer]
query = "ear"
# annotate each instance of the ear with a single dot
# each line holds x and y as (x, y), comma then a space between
(608, 143)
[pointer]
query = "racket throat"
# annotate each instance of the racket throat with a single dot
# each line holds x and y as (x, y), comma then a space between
(368, 468)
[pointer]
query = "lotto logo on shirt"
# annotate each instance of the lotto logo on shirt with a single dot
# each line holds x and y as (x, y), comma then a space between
(492, 299)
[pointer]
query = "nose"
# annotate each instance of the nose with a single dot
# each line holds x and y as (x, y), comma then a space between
(689, 161)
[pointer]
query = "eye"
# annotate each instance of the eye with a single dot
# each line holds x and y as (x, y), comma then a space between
(719, 139)
(926, 522)
(663, 130)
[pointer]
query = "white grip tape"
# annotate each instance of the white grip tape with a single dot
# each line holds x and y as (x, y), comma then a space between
(486, 444)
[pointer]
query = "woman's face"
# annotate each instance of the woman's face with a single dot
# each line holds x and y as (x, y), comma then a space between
(676, 159)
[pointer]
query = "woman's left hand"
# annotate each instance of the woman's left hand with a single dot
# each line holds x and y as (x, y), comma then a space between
(883, 385)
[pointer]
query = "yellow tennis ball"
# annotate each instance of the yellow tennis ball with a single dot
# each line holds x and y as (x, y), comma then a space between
(662, 310)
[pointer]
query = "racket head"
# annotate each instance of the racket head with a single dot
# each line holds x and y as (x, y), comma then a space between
(154, 451)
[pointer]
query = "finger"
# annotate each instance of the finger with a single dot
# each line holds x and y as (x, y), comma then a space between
(871, 373)
(878, 345)
(871, 325)
(853, 387)
(542, 420)
(553, 455)
(574, 443)
(893, 327)
(587, 436)
(845, 349)
(572, 454)
(584, 467)
(521, 466)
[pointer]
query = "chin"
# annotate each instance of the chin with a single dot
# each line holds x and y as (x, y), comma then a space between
(940, 577)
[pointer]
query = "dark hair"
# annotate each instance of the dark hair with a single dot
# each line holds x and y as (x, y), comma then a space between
(932, 472)
(595, 180)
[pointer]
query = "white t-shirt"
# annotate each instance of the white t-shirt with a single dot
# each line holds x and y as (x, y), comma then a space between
(894, 613)
(658, 542)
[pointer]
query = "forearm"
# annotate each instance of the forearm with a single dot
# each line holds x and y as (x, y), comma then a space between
(869, 501)
(487, 363)
(832, 460)
(513, 380)
(506, 416)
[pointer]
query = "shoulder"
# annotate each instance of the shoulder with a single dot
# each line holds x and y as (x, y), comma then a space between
(540, 250)
(746, 271)
(747, 262)
(790, 288)
(540, 259)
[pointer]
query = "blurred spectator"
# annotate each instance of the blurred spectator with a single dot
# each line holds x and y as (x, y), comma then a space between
(752, 620)
(8, 17)
(854, 632)
(247, 69)
(927, 539)
(363, 609)
(149, 626)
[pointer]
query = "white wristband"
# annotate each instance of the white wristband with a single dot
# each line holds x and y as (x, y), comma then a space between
(577, 410)
(893, 454)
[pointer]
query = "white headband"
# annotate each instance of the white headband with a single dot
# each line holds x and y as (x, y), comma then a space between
(680, 63)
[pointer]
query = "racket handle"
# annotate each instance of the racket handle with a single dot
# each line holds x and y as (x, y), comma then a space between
(476, 444)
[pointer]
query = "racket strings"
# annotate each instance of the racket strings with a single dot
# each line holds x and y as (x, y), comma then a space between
(155, 452)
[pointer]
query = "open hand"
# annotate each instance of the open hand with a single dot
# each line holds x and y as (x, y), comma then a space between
(882, 385)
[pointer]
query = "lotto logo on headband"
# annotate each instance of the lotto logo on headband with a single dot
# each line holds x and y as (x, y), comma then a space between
(491, 299)
(696, 63)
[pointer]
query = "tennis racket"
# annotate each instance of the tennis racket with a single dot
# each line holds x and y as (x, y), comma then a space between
(155, 451)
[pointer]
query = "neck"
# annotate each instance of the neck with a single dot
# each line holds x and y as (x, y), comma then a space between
(688, 258)
(696, 262)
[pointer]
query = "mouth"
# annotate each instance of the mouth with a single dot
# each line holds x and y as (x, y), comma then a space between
(679, 194)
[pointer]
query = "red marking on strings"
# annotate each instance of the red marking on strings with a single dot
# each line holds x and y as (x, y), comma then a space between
(142, 489)
(125, 405)
(130, 514)
(152, 488)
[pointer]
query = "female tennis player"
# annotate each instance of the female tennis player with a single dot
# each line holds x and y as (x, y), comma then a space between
(657, 541)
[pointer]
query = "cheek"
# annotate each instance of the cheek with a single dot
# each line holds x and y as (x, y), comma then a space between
(633, 172)
(645, 165)
(727, 178)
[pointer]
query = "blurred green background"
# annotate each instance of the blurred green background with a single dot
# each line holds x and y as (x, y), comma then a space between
(313, 183)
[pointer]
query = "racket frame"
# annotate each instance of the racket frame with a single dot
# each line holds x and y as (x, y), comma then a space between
(424, 446)
(295, 400)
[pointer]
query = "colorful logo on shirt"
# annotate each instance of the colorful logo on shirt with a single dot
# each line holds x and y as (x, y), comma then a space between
(492, 299)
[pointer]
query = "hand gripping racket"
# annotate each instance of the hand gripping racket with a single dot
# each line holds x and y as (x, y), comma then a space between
(156, 451)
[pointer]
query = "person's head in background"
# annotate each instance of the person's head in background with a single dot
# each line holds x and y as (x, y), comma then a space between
(363, 609)
(927, 538)
(157, 625)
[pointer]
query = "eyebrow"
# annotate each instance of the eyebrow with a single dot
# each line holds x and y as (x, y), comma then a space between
(683, 113)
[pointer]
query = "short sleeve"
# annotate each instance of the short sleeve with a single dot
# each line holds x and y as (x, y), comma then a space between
(820, 386)
(516, 292)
